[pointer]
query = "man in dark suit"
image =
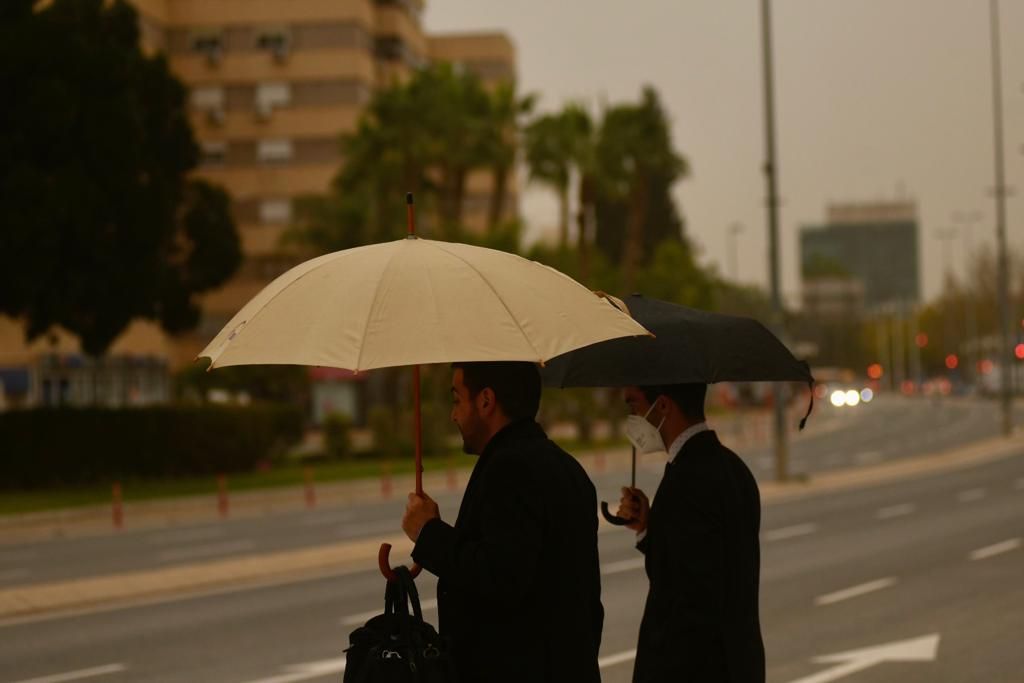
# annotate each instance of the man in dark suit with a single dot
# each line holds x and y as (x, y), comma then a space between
(701, 547)
(519, 590)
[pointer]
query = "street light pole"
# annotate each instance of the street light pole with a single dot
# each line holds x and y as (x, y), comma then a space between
(771, 177)
(947, 235)
(1006, 355)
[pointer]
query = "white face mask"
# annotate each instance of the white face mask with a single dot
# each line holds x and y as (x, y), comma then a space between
(644, 436)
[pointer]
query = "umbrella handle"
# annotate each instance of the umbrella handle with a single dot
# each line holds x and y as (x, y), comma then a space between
(384, 563)
(613, 519)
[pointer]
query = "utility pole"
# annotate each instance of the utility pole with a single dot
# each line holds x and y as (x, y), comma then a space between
(1007, 360)
(771, 177)
(947, 235)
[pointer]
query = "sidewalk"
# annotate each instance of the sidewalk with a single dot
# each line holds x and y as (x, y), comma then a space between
(108, 592)
(744, 431)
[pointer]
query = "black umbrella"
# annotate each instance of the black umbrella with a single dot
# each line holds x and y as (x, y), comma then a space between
(689, 345)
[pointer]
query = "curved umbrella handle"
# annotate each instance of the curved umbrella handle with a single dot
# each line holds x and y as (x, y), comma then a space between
(613, 519)
(384, 562)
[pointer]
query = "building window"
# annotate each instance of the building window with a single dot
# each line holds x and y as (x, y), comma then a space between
(270, 96)
(208, 97)
(275, 40)
(209, 43)
(274, 151)
(276, 211)
(215, 152)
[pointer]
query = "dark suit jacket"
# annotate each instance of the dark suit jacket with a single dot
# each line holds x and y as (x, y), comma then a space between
(703, 562)
(519, 590)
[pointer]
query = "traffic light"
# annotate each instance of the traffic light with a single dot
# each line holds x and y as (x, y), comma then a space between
(952, 361)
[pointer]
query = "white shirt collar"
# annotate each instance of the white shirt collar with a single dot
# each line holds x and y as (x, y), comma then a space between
(681, 440)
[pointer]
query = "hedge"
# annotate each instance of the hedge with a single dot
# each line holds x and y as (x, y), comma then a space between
(64, 446)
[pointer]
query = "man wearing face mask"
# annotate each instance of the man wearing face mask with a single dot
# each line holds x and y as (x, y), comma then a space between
(701, 547)
(519, 589)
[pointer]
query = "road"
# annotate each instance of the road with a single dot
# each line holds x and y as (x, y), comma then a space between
(938, 561)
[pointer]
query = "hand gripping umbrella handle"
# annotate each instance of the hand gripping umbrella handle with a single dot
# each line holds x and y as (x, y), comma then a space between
(613, 519)
(385, 564)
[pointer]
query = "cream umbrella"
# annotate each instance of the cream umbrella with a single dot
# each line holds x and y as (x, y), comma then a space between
(415, 301)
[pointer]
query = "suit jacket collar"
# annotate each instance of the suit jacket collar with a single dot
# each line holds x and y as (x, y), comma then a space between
(517, 429)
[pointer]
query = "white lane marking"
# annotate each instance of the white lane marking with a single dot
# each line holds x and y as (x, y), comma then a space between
(13, 574)
(210, 550)
(185, 536)
(78, 675)
(971, 495)
(789, 532)
(922, 649)
(995, 549)
(612, 660)
(323, 520)
(22, 555)
(895, 511)
(865, 457)
(360, 619)
(306, 670)
(622, 566)
(854, 591)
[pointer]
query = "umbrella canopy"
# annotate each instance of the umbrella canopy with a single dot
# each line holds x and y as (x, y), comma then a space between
(416, 301)
(689, 345)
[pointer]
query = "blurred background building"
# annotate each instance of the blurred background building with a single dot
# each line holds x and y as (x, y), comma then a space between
(273, 84)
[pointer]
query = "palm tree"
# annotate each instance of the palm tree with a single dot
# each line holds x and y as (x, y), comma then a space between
(633, 153)
(506, 109)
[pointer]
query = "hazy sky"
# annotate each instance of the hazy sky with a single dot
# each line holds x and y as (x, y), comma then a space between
(873, 98)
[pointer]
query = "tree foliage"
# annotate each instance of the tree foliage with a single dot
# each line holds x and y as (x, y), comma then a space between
(99, 223)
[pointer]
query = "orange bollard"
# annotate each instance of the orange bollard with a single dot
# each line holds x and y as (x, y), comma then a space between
(117, 509)
(310, 491)
(222, 495)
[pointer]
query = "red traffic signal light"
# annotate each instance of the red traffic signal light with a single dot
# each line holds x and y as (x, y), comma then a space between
(952, 361)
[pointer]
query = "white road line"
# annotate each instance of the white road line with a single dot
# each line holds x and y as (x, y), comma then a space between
(14, 574)
(854, 591)
(360, 619)
(612, 660)
(210, 550)
(971, 495)
(895, 511)
(185, 536)
(623, 566)
(789, 532)
(78, 675)
(995, 549)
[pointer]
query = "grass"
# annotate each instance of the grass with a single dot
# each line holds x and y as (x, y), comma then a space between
(283, 475)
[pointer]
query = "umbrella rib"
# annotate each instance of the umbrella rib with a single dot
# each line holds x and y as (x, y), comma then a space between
(373, 307)
(493, 291)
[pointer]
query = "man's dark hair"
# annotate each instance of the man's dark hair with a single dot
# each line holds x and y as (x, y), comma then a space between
(516, 385)
(689, 397)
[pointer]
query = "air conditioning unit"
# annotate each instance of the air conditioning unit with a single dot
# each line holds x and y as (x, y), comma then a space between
(215, 116)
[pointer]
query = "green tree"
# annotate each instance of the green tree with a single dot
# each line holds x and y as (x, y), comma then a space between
(638, 167)
(501, 144)
(100, 224)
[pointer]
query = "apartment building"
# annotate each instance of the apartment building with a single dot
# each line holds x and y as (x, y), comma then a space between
(272, 86)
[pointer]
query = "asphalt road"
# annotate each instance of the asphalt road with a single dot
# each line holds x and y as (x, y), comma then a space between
(931, 568)
(887, 429)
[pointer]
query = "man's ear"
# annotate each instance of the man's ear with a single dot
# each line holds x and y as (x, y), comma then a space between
(486, 402)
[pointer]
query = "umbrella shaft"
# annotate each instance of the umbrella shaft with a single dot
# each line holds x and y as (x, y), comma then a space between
(417, 417)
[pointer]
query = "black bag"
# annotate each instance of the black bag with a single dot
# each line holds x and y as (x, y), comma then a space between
(398, 647)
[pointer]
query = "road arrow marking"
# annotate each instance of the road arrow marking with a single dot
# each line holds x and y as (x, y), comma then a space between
(307, 670)
(922, 649)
